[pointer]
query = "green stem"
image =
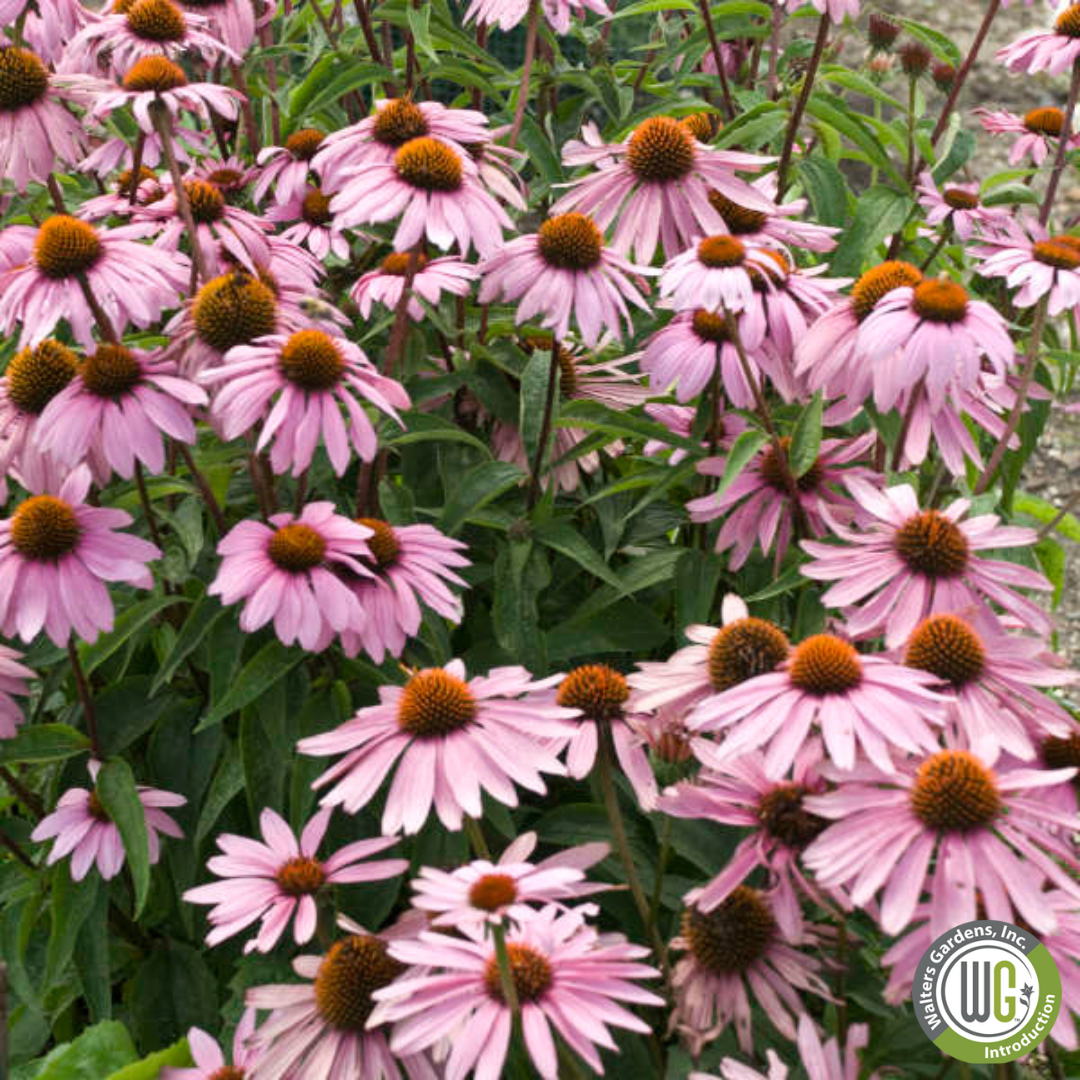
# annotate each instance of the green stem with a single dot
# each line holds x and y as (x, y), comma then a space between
(83, 688)
(800, 107)
(526, 72)
(476, 838)
(545, 428)
(913, 82)
(622, 844)
(661, 868)
(1062, 147)
(568, 1064)
(506, 974)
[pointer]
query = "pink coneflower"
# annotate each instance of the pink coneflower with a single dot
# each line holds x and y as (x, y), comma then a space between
(1035, 129)
(227, 234)
(436, 192)
(719, 658)
(686, 352)
(757, 506)
(36, 128)
(865, 701)
(487, 892)
(506, 14)
(718, 274)
(566, 975)
(411, 565)
(778, 227)
(82, 828)
(607, 383)
(48, 24)
(1063, 944)
(232, 175)
(114, 153)
(156, 78)
(13, 679)
(994, 679)
(210, 1061)
(561, 271)
(959, 208)
(377, 138)
(679, 420)
(277, 881)
(146, 28)
(598, 694)
(732, 952)
(56, 554)
(232, 21)
(1041, 264)
(993, 837)
(451, 738)
(738, 792)
(322, 1029)
(1053, 51)
(31, 380)
(831, 356)
(314, 225)
(730, 1069)
(657, 183)
(131, 281)
(289, 570)
(314, 376)
(432, 278)
(934, 332)
(120, 405)
(910, 563)
(284, 169)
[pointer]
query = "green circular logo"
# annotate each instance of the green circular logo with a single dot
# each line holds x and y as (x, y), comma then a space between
(987, 991)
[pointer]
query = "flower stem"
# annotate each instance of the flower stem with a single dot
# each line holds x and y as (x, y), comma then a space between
(83, 689)
(136, 167)
(526, 72)
(476, 838)
(1031, 362)
(1062, 147)
(19, 854)
(774, 50)
(162, 121)
(706, 18)
(622, 844)
(800, 106)
(204, 488)
(965, 69)
(661, 867)
(28, 798)
(943, 239)
(545, 427)
(506, 974)
(148, 510)
(400, 328)
(913, 83)
(251, 129)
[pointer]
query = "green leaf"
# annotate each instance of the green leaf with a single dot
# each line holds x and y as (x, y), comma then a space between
(419, 20)
(593, 416)
(566, 540)
(521, 573)
(806, 438)
(741, 454)
(227, 783)
(880, 212)
(119, 796)
(940, 45)
(854, 129)
(272, 662)
(171, 991)
(177, 1056)
(127, 623)
(127, 711)
(625, 627)
(99, 1051)
(35, 744)
(825, 184)
(533, 399)
(426, 427)
(477, 488)
(92, 958)
(348, 77)
(199, 621)
(1044, 512)
(70, 903)
(696, 578)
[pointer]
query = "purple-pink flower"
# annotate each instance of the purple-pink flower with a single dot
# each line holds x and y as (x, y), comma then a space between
(567, 977)
(81, 827)
(451, 739)
(289, 571)
(1052, 51)
(565, 271)
(13, 679)
(277, 881)
(1035, 130)
(310, 376)
(904, 563)
(431, 279)
(210, 1061)
(118, 408)
(1042, 265)
(56, 555)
